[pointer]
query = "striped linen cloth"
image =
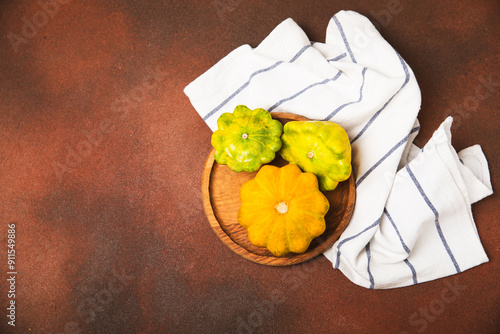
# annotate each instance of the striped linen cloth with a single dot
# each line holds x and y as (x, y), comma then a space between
(412, 220)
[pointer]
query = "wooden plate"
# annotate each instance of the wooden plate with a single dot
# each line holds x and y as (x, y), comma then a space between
(220, 193)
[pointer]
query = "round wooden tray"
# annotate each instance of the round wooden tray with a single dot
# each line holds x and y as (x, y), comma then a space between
(220, 193)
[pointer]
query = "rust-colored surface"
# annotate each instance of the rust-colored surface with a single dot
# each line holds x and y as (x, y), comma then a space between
(101, 157)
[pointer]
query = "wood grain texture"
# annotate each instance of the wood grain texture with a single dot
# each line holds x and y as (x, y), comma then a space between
(220, 193)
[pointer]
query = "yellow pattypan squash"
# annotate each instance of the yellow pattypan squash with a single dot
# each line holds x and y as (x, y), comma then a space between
(282, 209)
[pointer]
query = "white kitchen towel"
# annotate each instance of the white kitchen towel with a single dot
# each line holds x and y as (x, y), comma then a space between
(412, 220)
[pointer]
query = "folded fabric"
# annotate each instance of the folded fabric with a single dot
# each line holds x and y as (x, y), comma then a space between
(412, 220)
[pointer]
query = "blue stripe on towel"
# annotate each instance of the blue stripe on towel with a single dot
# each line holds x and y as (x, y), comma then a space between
(407, 79)
(352, 237)
(369, 256)
(413, 272)
(333, 113)
(338, 57)
(223, 103)
(344, 38)
(301, 51)
(303, 90)
(394, 148)
(436, 217)
(407, 250)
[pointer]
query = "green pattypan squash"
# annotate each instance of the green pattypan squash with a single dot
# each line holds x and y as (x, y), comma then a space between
(246, 139)
(319, 147)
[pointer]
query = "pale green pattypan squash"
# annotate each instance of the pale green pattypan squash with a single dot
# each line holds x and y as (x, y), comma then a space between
(246, 139)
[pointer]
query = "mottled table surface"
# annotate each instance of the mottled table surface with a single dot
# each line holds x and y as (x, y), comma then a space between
(101, 157)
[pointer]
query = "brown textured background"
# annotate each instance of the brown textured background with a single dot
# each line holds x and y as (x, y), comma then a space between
(131, 208)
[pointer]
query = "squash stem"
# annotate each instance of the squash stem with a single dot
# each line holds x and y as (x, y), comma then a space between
(281, 207)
